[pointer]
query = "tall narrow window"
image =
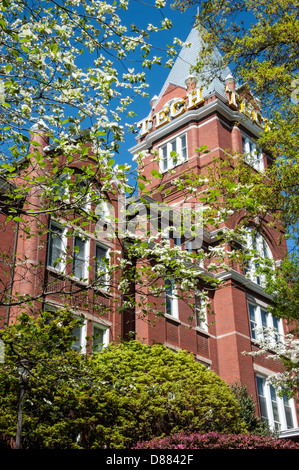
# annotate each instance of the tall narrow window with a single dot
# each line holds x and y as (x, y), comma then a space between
(101, 265)
(165, 162)
(288, 412)
(171, 307)
(262, 398)
(56, 247)
(252, 155)
(200, 312)
(100, 337)
(173, 148)
(60, 187)
(265, 322)
(277, 424)
(79, 335)
(258, 252)
(253, 321)
(183, 150)
(80, 258)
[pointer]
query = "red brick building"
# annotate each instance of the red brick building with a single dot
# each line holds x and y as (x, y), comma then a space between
(56, 257)
(182, 118)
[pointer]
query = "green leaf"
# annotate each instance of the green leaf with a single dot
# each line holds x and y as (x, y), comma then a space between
(156, 174)
(141, 185)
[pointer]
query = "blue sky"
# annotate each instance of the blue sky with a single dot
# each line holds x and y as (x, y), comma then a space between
(142, 13)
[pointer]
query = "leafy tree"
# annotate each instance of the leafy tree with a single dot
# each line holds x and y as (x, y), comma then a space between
(39, 359)
(126, 393)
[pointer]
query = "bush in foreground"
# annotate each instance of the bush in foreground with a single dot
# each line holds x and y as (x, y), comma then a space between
(152, 391)
(214, 440)
(127, 393)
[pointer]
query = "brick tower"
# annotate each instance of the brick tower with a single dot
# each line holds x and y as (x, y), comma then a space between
(185, 116)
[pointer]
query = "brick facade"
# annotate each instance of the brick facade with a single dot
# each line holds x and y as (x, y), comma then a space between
(213, 122)
(210, 121)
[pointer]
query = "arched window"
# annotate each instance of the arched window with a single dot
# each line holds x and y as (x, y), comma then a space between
(258, 252)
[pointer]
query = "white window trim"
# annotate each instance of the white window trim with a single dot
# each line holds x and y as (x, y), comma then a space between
(280, 406)
(106, 334)
(252, 156)
(259, 325)
(201, 311)
(64, 245)
(106, 273)
(168, 146)
(85, 277)
(83, 335)
(174, 302)
(261, 245)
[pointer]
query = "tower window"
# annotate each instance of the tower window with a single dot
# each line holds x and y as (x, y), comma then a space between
(173, 153)
(200, 308)
(101, 265)
(260, 251)
(252, 155)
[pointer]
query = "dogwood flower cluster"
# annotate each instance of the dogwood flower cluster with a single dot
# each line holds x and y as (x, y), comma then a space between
(283, 348)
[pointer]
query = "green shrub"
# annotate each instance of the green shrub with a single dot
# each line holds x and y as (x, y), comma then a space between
(156, 392)
(127, 393)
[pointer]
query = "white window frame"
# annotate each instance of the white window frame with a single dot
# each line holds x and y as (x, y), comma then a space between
(175, 144)
(80, 344)
(271, 401)
(200, 311)
(86, 241)
(105, 275)
(262, 249)
(60, 267)
(260, 319)
(252, 156)
(172, 299)
(105, 330)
